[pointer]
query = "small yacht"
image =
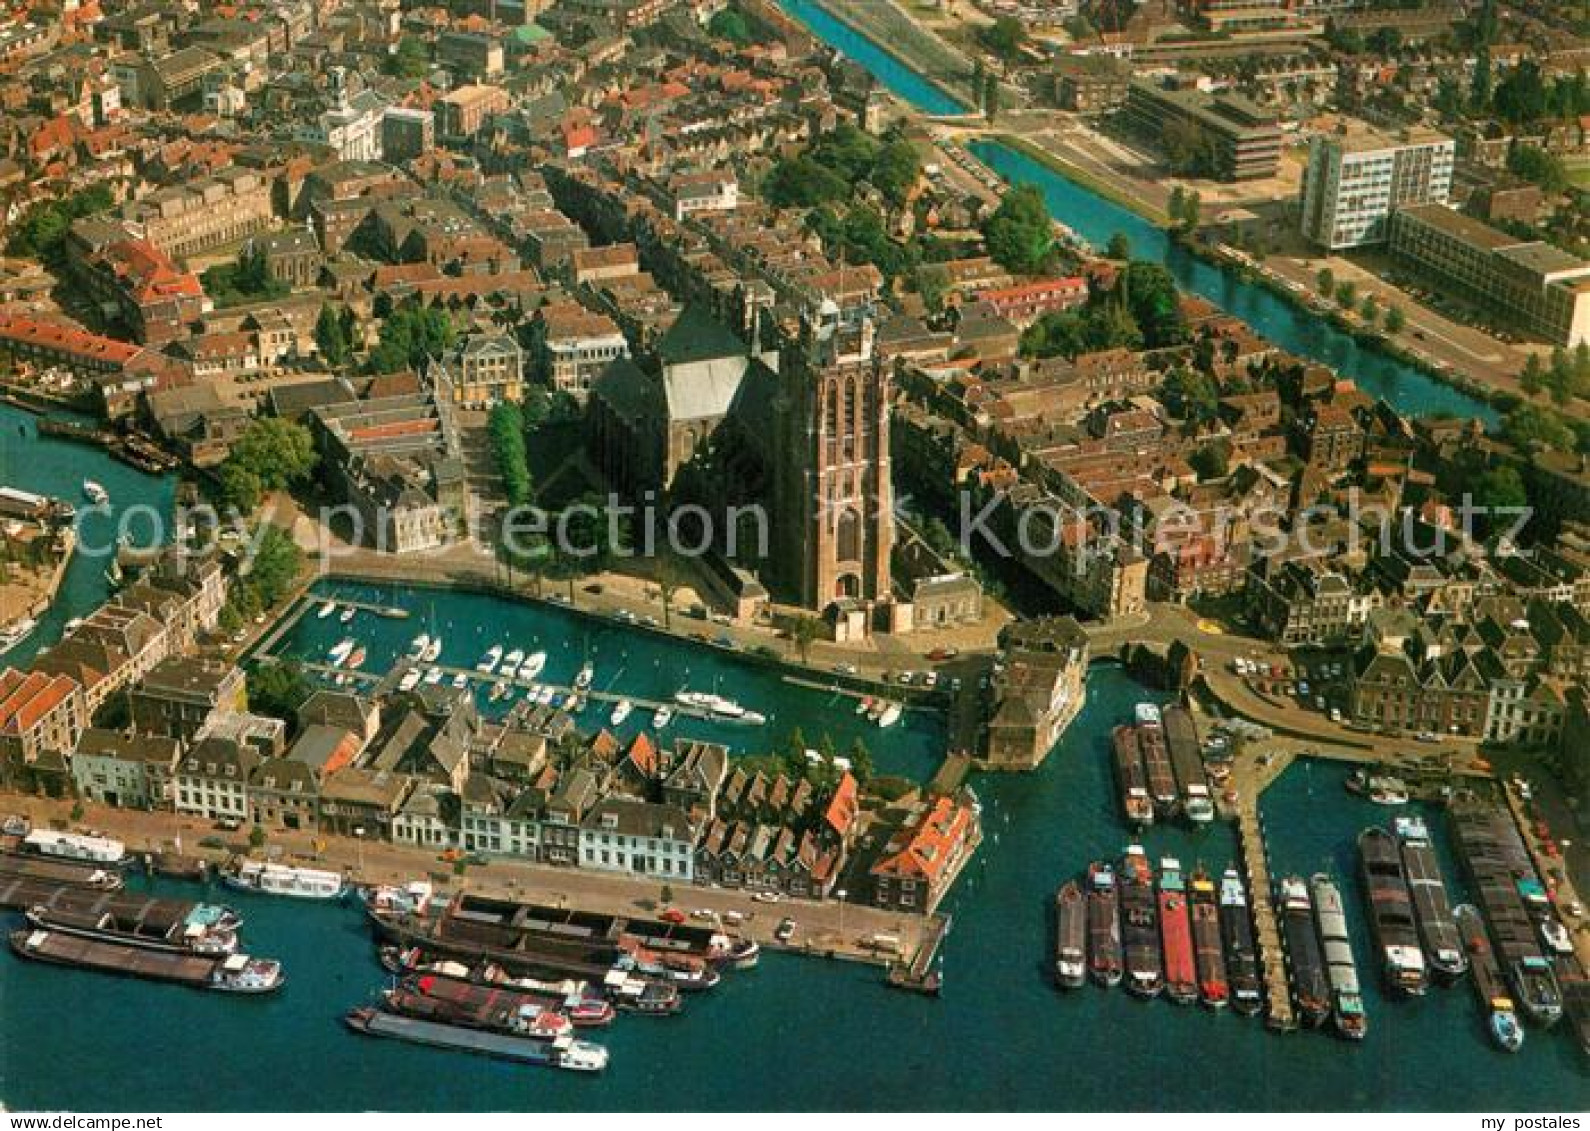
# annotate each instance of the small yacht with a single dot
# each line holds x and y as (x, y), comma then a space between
(863, 705)
(460, 681)
(95, 493)
(533, 663)
(326, 609)
(341, 650)
(356, 659)
(347, 614)
(498, 690)
(410, 680)
(544, 696)
(433, 650)
(418, 646)
(890, 716)
(510, 665)
(583, 680)
(433, 676)
(488, 662)
(664, 716)
(621, 712)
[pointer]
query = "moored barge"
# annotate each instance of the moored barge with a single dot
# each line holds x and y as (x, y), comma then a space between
(1145, 972)
(45, 870)
(1347, 1000)
(1129, 774)
(1105, 961)
(564, 1052)
(1391, 912)
(1304, 961)
(1186, 759)
(1443, 949)
(1156, 761)
(1242, 956)
(1175, 929)
(1489, 985)
(1070, 959)
(233, 973)
(205, 929)
(1494, 854)
(1213, 986)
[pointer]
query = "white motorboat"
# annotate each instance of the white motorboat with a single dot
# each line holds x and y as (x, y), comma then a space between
(433, 676)
(533, 663)
(583, 680)
(341, 650)
(96, 494)
(545, 694)
(890, 716)
(433, 650)
(510, 664)
(418, 646)
(16, 632)
(664, 716)
(460, 681)
(348, 614)
(410, 680)
(621, 712)
(326, 609)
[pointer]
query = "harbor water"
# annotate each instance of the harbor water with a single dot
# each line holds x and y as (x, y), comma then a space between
(1001, 1036)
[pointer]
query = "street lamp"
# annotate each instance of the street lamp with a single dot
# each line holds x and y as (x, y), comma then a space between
(840, 895)
(358, 836)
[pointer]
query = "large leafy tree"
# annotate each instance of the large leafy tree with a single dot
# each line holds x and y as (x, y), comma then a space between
(1019, 233)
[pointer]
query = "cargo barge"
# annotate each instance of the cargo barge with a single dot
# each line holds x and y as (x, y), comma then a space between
(1131, 777)
(1186, 759)
(1105, 961)
(1496, 860)
(43, 870)
(1489, 985)
(1071, 932)
(1304, 961)
(1145, 972)
(564, 1052)
(1213, 986)
(1347, 1000)
(628, 992)
(575, 1000)
(1443, 949)
(1156, 761)
(233, 973)
(1576, 999)
(1175, 929)
(1391, 912)
(1242, 955)
(207, 929)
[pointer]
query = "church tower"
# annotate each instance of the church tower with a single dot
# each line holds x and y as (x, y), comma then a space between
(833, 492)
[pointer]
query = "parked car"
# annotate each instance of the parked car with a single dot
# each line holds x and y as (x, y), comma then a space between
(786, 930)
(766, 896)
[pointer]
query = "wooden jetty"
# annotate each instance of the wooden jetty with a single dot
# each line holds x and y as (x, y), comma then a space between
(1257, 774)
(919, 975)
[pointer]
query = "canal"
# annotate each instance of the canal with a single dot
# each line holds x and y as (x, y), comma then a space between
(1096, 218)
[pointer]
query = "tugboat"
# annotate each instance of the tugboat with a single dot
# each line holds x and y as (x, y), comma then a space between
(1104, 925)
(1305, 963)
(1136, 803)
(1213, 986)
(1347, 1002)
(1175, 928)
(1145, 972)
(1070, 957)
(1489, 986)
(1391, 911)
(1242, 957)
(1443, 950)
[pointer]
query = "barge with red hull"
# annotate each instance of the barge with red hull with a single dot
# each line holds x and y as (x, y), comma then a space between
(1175, 928)
(1105, 962)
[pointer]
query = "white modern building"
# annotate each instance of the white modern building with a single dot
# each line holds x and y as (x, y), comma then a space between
(1355, 180)
(638, 838)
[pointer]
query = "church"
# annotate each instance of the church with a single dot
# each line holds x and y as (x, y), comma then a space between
(797, 425)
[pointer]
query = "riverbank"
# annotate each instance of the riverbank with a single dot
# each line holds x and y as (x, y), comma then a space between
(885, 24)
(1075, 173)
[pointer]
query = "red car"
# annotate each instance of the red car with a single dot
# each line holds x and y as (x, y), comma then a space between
(672, 915)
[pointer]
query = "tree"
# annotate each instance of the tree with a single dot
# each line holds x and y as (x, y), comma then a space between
(411, 60)
(1326, 281)
(1500, 488)
(861, 765)
(246, 280)
(272, 454)
(1019, 233)
(410, 337)
(1395, 319)
(1480, 83)
(1176, 204)
(1192, 395)
(1369, 310)
(1346, 294)
(274, 569)
(1521, 98)
(1537, 166)
(505, 429)
(1211, 461)
(256, 838)
(41, 232)
(991, 97)
(1533, 377)
(278, 689)
(331, 338)
(802, 632)
(1528, 426)
(1119, 247)
(1191, 210)
(1004, 37)
(730, 23)
(240, 488)
(895, 172)
(667, 894)
(1155, 305)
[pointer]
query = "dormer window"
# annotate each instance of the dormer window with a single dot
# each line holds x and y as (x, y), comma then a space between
(610, 820)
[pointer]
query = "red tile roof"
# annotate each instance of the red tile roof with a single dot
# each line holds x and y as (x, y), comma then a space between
(923, 852)
(62, 338)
